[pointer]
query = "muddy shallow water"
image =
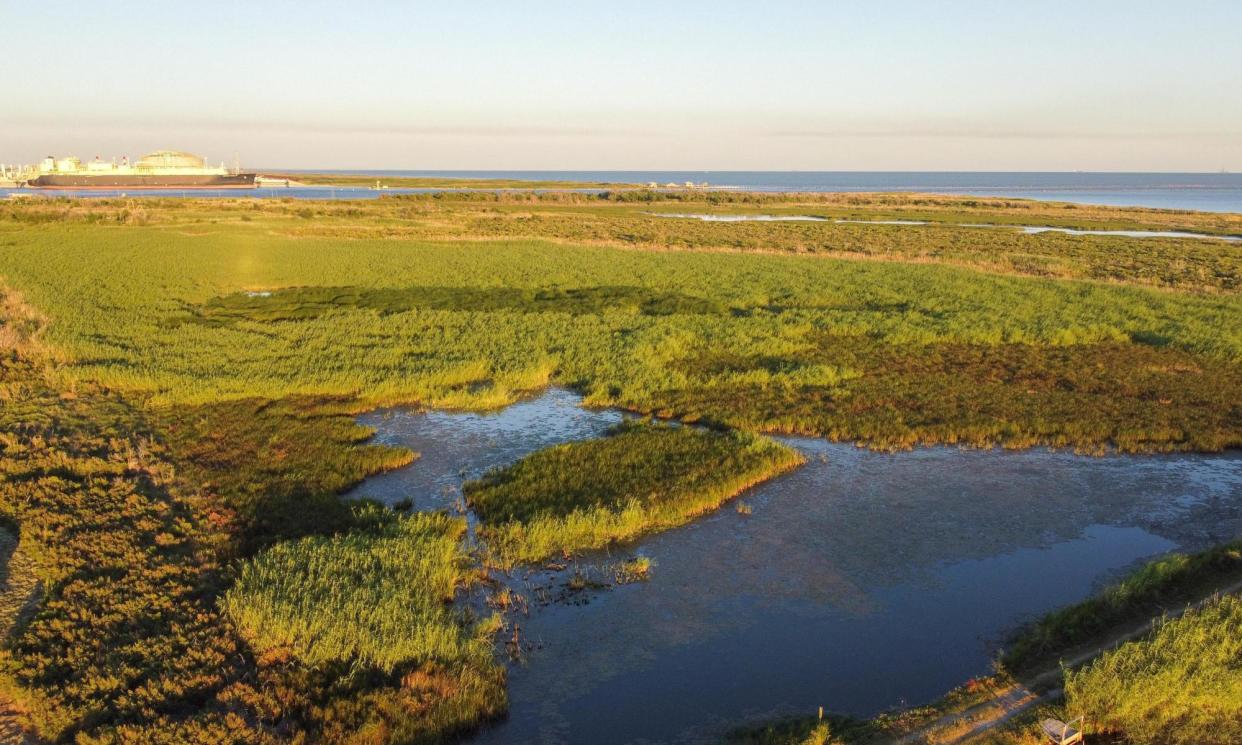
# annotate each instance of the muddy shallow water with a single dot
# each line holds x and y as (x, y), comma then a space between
(859, 581)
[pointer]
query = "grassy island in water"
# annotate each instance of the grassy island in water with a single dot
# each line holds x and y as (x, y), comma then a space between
(642, 477)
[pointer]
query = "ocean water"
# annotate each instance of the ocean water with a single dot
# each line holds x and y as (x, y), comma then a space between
(1211, 192)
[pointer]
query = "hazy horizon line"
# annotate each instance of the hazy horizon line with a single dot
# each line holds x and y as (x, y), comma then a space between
(319, 169)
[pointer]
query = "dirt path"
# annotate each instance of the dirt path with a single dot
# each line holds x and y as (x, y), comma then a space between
(963, 726)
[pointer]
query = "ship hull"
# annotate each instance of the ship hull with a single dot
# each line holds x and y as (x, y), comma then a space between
(65, 181)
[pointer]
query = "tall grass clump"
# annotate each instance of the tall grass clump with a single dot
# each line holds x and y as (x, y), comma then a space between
(380, 596)
(640, 478)
(1180, 686)
(1176, 577)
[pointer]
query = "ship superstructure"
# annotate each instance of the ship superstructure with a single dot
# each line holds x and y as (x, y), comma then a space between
(162, 169)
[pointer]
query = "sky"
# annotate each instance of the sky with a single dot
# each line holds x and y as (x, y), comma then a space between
(639, 85)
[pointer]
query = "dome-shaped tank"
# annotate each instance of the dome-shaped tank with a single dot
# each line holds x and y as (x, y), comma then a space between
(170, 159)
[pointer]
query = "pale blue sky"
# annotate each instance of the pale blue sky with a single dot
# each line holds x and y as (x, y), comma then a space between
(631, 85)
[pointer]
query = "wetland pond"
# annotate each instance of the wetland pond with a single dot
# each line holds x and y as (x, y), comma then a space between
(859, 581)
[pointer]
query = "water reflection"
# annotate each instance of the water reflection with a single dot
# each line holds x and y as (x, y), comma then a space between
(455, 447)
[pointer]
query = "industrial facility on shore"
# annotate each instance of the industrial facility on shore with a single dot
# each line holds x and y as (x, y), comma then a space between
(161, 169)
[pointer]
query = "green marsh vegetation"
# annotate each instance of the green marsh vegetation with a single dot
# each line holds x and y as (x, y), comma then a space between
(943, 208)
(380, 598)
(380, 594)
(134, 518)
(1182, 263)
(642, 477)
(272, 470)
(637, 569)
(1180, 685)
(889, 353)
(185, 418)
(632, 219)
(125, 644)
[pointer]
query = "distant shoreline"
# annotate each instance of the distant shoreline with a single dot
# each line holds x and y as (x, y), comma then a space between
(369, 180)
(1207, 192)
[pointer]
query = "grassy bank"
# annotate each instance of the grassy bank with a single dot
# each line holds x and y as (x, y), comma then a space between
(1169, 582)
(641, 478)
(1181, 685)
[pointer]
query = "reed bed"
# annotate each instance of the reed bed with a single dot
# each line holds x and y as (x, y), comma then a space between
(380, 596)
(643, 477)
(1179, 686)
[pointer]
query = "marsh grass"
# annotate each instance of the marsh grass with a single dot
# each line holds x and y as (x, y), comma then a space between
(175, 425)
(130, 516)
(1209, 266)
(381, 594)
(272, 470)
(892, 354)
(302, 303)
(637, 569)
(1090, 397)
(125, 633)
(641, 478)
(1182, 685)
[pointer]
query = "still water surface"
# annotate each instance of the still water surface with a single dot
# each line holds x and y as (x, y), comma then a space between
(1212, 192)
(860, 581)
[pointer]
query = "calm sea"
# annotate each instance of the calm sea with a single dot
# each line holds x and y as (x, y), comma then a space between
(1213, 192)
(1216, 192)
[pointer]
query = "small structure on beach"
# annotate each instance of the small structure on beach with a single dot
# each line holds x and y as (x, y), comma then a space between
(1060, 733)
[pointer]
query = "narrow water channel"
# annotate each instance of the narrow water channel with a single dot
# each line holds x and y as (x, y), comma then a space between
(859, 582)
(1028, 229)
